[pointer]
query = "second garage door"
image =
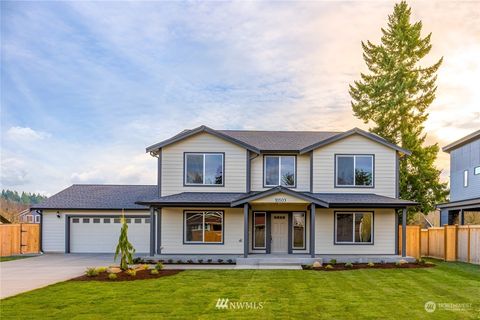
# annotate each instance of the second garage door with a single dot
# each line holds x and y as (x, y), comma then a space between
(100, 234)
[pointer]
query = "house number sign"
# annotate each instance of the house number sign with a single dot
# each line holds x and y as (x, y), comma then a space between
(280, 200)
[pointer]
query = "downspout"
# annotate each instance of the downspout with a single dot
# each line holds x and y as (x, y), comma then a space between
(40, 235)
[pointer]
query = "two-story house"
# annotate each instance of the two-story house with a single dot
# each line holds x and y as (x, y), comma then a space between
(464, 179)
(236, 192)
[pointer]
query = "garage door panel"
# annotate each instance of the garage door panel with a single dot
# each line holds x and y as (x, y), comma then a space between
(100, 234)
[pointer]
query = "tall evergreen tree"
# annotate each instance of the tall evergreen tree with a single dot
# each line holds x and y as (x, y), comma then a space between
(394, 96)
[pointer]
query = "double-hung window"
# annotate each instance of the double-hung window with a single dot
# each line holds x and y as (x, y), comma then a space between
(353, 228)
(203, 227)
(279, 171)
(354, 171)
(204, 169)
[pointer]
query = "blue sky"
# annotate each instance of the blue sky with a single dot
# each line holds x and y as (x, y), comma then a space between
(86, 86)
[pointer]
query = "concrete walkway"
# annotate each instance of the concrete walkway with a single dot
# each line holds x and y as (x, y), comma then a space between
(27, 274)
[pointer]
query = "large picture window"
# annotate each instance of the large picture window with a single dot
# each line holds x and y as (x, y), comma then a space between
(259, 230)
(204, 169)
(203, 226)
(354, 171)
(298, 232)
(353, 227)
(279, 171)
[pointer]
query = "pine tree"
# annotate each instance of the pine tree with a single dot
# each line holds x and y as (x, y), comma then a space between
(124, 247)
(394, 97)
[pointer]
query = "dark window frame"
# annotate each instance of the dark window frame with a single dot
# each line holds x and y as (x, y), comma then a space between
(304, 231)
(279, 169)
(184, 236)
(343, 243)
(185, 184)
(253, 231)
(335, 176)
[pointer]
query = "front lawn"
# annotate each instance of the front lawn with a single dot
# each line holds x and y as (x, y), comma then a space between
(277, 294)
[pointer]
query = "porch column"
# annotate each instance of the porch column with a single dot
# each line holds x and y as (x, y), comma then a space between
(159, 230)
(152, 231)
(404, 232)
(312, 230)
(245, 230)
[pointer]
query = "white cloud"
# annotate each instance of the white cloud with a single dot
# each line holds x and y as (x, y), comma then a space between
(19, 134)
(13, 173)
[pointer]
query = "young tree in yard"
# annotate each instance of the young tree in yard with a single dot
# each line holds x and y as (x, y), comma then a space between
(124, 247)
(394, 96)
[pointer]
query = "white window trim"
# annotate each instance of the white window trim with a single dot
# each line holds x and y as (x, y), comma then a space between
(353, 228)
(476, 170)
(279, 170)
(37, 219)
(265, 233)
(204, 154)
(185, 241)
(465, 178)
(304, 231)
(354, 185)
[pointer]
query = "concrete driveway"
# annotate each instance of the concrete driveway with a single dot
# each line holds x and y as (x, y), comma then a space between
(23, 275)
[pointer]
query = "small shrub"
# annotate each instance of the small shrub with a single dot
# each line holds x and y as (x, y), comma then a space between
(230, 261)
(190, 261)
(421, 261)
(328, 266)
(91, 272)
(348, 265)
(161, 261)
(159, 266)
(200, 260)
(220, 260)
(179, 261)
(209, 260)
(308, 267)
(131, 272)
(371, 264)
(170, 260)
(112, 276)
(137, 260)
(333, 261)
(154, 271)
(102, 269)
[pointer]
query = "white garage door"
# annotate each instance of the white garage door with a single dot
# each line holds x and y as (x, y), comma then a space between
(100, 234)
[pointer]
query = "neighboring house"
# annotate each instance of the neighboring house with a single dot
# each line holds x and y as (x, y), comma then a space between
(29, 216)
(243, 192)
(4, 220)
(464, 180)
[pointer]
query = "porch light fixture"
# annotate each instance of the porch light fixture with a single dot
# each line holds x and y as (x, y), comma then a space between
(58, 214)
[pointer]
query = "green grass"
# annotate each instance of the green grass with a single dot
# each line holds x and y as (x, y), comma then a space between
(11, 258)
(375, 293)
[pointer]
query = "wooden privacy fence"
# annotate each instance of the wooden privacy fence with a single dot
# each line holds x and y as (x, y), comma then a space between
(19, 239)
(450, 243)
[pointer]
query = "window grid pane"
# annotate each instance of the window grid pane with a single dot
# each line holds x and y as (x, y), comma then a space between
(259, 230)
(287, 171)
(272, 167)
(298, 225)
(204, 227)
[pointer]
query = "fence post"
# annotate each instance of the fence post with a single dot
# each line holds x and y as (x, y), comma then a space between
(468, 245)
(419, 242)
(428, 242)
(445, 242)
(456, 242)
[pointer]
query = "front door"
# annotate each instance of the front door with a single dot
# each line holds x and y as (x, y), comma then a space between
(279, 233)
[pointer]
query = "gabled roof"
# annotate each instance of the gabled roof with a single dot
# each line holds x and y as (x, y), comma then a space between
(95, 196)
(258, 195)
(265, 141)
(351, 132)
(361, 200)
(188, 133)
(457, 144)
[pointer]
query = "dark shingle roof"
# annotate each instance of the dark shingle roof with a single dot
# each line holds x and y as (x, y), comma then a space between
(279, 140)
(197, 198)
(359, 200)
(94, 196)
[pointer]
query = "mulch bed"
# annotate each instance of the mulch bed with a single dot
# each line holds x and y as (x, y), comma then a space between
(122, 276)
(356, 266)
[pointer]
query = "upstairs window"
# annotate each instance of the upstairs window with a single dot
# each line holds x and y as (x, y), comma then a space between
(279, 171)
(204, 169)
(354, 170)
